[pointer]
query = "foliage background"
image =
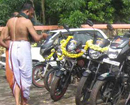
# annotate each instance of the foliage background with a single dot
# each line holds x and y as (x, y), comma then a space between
(71, 12)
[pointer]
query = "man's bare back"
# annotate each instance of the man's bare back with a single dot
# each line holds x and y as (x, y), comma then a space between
(17, 27)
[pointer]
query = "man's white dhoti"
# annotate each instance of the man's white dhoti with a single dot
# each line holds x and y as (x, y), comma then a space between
(20, 62)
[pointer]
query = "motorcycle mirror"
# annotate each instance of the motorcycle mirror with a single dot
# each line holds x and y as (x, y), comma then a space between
(90, 23)
(67, 28)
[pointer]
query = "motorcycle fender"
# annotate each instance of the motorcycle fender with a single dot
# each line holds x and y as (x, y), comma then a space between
(87, 73)
(59, 73)
(106, 76)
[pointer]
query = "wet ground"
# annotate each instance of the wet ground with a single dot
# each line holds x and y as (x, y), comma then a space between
(38, 96)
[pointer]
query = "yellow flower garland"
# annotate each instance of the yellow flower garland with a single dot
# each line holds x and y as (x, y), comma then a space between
(49, 56)
(96, 47)
(60, 57)
(88, 44)
(52, 53)
(63, 48)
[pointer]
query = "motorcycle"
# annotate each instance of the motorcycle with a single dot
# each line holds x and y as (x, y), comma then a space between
(96, 53)
(73, 67)
(44, 71)
(113, 86)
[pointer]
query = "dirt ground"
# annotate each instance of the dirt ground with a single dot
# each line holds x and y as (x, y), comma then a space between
(38, 96)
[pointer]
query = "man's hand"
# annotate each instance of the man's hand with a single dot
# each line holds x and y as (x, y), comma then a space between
(44, 36)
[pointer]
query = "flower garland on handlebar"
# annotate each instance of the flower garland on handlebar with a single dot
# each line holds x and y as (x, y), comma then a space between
(49, 56)
(96, 47)
(88, 44)
(63, 48)
(60, 57)
(52, 53)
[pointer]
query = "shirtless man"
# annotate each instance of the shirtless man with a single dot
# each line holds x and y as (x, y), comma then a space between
(17, 31)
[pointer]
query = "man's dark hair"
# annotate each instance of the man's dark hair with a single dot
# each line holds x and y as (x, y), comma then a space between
(14, 14)
(26, 6)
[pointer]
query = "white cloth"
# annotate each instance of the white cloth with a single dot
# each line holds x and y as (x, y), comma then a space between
(20, 62)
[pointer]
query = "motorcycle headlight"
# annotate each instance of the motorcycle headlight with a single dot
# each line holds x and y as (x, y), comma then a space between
(113, 53)
(94, 54)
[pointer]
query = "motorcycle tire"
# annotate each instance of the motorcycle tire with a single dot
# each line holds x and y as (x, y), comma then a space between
(37, 78)
(106, 89)
(48, 79)
(57, 88)
(83, 91)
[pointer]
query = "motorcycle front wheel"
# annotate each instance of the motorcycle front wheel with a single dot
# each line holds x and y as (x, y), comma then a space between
(105, 93)
(37, 78)
(59, 87)
(49, 78)
(83, 91)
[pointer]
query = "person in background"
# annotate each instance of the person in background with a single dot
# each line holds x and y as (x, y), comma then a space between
(18, 32)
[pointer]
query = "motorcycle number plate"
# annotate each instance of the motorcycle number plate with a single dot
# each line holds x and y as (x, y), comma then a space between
(111, 62)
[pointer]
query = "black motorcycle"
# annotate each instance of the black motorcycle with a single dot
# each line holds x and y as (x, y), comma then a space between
(74, 65)
(72, 69)
(44, 71)
(112, 86)
(96, 53)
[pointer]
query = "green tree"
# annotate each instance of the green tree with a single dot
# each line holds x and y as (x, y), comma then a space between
(7, 7)
(122, 11)
(100, 11)
(71, 12)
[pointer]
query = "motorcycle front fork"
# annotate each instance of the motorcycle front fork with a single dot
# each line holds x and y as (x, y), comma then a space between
(45, 70)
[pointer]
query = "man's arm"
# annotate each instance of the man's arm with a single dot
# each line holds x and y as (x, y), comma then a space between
(32, 31)
(4, 37)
